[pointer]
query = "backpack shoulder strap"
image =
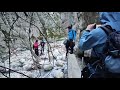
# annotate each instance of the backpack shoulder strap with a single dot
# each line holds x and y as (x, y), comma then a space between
(73, 34)
(107, 29)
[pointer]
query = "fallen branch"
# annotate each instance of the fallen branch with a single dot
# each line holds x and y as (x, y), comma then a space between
(4, 74)
(15, 71)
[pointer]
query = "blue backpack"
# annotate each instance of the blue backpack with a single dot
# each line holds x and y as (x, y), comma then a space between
(112, 46)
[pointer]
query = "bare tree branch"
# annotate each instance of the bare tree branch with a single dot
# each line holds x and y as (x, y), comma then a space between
(40, 32)
(15, 71)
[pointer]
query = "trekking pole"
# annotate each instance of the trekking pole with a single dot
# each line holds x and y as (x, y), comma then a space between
(82, 62)
(67, 66)
(82, 58)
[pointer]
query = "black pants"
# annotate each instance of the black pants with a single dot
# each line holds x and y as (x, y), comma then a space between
(42, 49)
(69, 45)
(36, 51)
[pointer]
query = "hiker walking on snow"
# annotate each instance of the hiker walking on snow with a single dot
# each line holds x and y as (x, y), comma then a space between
(42, 43)
(35, 47)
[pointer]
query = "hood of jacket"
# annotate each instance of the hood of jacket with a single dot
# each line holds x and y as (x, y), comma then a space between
(110, 18)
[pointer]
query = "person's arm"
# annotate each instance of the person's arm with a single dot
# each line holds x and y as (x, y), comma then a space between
(74, 35)
(92, 37)
(68, 35)
(39, 43)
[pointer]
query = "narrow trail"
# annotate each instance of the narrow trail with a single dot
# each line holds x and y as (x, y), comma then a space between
(74, 69)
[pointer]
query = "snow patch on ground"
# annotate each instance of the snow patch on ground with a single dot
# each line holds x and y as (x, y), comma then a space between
(53, 68)
(58, 73)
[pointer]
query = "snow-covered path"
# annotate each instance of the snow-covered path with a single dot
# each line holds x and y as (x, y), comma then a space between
(53, 68)
(74, 69)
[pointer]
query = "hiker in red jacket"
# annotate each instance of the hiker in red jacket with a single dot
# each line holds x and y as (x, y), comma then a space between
(35, 47)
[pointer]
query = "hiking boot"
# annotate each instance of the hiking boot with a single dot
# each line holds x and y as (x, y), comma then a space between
(71, 52)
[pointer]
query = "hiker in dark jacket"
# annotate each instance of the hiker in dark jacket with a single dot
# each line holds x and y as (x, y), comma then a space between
(42, 43)
(96, 38)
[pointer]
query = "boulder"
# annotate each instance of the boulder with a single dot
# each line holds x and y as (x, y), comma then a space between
(58, 74)
(47, 67)
(59, 63)
(27, 67)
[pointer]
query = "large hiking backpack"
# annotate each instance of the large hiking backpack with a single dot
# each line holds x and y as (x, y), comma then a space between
(112, 49)
(112, 46)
